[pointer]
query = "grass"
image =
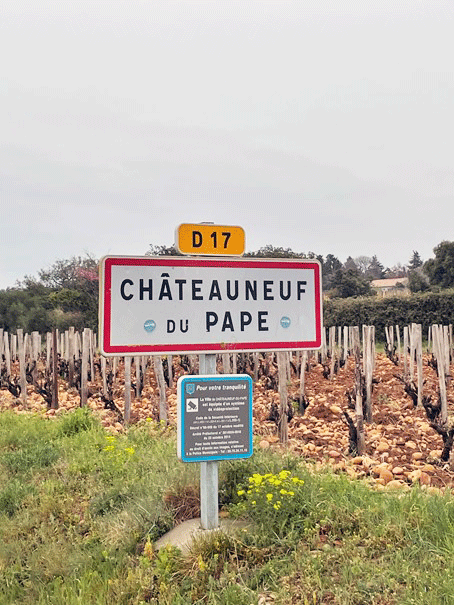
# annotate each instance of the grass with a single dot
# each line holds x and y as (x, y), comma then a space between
(80, 511)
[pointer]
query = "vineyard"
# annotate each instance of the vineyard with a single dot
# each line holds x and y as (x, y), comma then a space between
(380, 416)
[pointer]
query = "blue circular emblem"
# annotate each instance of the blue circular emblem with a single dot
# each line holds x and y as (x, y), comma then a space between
(285, 322)
(149, 325)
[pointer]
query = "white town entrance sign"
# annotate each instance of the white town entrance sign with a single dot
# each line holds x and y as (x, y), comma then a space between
(165, 305)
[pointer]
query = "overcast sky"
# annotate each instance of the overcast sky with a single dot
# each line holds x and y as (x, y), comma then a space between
(322, 126)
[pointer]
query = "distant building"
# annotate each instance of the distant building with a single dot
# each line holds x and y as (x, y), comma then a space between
(391, 287)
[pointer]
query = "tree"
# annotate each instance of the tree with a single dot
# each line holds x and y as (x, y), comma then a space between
(330, 266)
(162, 251)
(415, 261)
(362, 263)
(270, 251)
(440, 269)
(26, 309)
(350, 282)
(396, 271)
(65, 294)
(418, 280)
(74, 273)
(350, 264)
(375, 270)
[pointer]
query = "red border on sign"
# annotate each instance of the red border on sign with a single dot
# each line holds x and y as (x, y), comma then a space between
(106, 315)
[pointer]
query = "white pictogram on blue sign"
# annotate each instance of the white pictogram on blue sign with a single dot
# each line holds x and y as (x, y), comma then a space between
(192, 405)
(285, 322)
(149, 325)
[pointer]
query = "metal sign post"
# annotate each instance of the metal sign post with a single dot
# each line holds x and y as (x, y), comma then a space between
(209, 470)
(214, 423)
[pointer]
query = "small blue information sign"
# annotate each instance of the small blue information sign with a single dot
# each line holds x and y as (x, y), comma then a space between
(214, 417)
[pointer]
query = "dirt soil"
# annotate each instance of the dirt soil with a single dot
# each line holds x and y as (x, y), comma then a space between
(401, 446)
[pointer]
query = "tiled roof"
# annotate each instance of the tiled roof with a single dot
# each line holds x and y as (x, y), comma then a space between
(389, 283)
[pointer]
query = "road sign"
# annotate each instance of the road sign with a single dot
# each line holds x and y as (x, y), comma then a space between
(214, 417)
(210, 240)
(159, 305)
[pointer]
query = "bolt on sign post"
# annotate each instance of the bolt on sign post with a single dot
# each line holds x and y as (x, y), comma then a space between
(211, 240)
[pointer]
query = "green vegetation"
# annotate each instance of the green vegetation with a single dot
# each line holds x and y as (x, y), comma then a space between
(81, 509)
(427, 308)
(66, 294)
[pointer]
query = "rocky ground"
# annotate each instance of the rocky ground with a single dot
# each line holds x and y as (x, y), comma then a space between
(401, 446)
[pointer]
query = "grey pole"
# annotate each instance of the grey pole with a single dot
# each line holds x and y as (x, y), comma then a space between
(209, 484)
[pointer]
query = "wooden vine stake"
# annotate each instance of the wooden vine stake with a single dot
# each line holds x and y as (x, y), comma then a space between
(22, 375)
(332, 350)
(159, 372)
(283, 407)
(14, 347)
(48, 350)
(412, 336)
(139, 378)
(323, 347)
(71, 355)
(406, 378)
(446, 353)
(417, 340)
(226, 363)
(170, 370)
(54, 404)
(255, 357)
(302, 399)
(104, 374)
(91, 348)
(345, 345)
(360, 441)
(438, 349)
(389, 333)
(127, 408)
(7, 354)
(84, 367)
(398, 344)
(36, 345)
(369, 365)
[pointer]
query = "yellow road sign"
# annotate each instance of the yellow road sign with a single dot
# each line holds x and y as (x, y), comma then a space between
(212, 240)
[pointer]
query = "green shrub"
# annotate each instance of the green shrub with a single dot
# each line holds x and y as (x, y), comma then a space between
(273, 500)
(427, 309)
(236, 472)
(35, 456)
(112, 499)
(78, 421)
(12, 496)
